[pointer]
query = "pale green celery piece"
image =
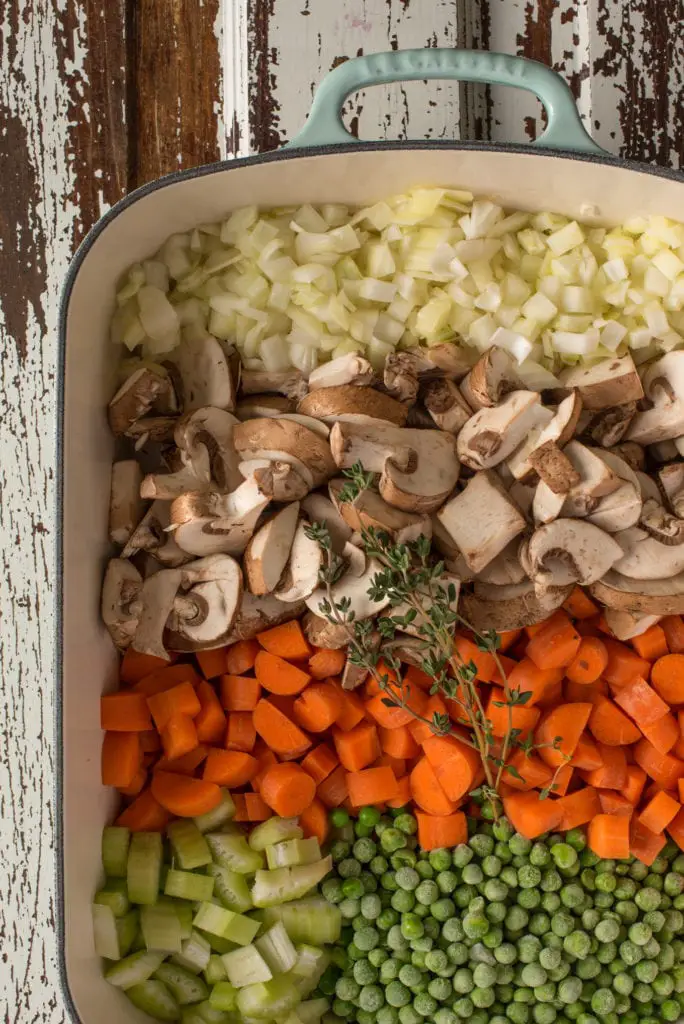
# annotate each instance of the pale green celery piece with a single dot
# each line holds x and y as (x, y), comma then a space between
(231, 888)
(286, 884)
(215, 971)
(217, 944)
(210, 1015)
(195, 953)
(311, 1011)
(274, 830)
(232, 851)
(246, 966)
(127, 928)
(218, 816)
(190, 848)
(189, 1015)
(161, 928)
(268, 1000)
(312, 920)
(105, 934)
(277, 949)
(184, 986)
(114, 894)
(133, 969)
(187, 885)
(182, 910)
(144, 867)
(293, 852)
(115, 843)
(223, 997)
(154, 998)
(225, 923)
(308, 968)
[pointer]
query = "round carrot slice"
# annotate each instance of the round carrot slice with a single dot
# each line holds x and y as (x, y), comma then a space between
(183, 796)
(287, 789)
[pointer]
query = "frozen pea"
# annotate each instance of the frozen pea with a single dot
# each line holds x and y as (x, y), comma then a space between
(578, 944)
(529, 876)
(447, 882)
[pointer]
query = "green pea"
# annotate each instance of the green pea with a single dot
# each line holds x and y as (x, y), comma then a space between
(447, 882)
(440, 859)
(578, 944)
(443, 909)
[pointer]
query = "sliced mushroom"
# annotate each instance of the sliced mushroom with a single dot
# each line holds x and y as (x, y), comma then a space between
(482, 520)
(347, 369)
(158, 596)
(335, 405)
(267, 553)
(505, 568)
(446, 405)
(523, 496)
(492, 434)
(353, 586)
(492, 378)
(207, 524)
(663, 451)
(152, 536)
(554, 467)
(321, 632)
(621, 509)
(597, 480)
(402, 375)
(353, 675)
(256, 614)
(632, 453)
(664, 386)
(207, 454)
(281, 481)
(648, 488)
(560, 427)
(640, 597)
(125, 504)
(135, 398)
(661, 524)
(121, 600)
(645, 558)
(263, 406)
(205, 374)
(319, 508)
(672, 482)
(510, 607)
(570, 551)
(625, 626)
(203, 617)
(370, 510)
(547, 505)
(281, 440)
(419, 468)
(454, 561)
(290, 383)
(152, 428)
(610, 425)
(606, 384)
(301, 576)
(452, 360)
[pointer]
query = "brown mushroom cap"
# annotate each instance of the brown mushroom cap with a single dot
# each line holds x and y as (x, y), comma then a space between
(332, 404)
(640, 597)
(135, 398)
(281, 435)
(510, 607)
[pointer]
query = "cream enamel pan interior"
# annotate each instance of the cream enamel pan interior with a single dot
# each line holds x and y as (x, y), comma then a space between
(590, 189)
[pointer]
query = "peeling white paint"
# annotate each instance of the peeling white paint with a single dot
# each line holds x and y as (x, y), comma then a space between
(231, 32)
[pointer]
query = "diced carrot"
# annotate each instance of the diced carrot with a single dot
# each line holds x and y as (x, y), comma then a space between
(121, 758)
(585, 693)
(403, 797)
(315, 822)
(659, 812)
(256, 809)
(124, 712)
(680, 790)
(135, 666)
(586, 754)
(556, 644)
(436, 832)
(507, 665)
(653, 788)
(465, 652)
(503, 717)
(531, 771)
(320, 762)
(317, 707)
(211, 721)
(284, 704)
(384, 676)
(179, 736)
(644, 844)
(663, 734)
(351, 711)
(394, 716)
(534, 628)
(415, 676)
(240, 807)
(652, 644)
(667, 677)
(240, 657)
(278, 676)
(397, 764)
(265, 760)
(183, 796)
(578, 808)
(591, 627)
(559, 731)
(324, 662)
(675, 829)
(278, 731)
(371, 786)
(230, 767)
(624, 665)
(212, 663)
(613, 772)
(673, 627)
(358, 747)
(611, 726)
(662, 768)
(508, 638)
(579, 605)
(608, 836)
(613, 802)
(589, 662)
(239, 693)
(527, 678)
(286, 641)
(531, 816)
(332, 791)
(287, 789)
(457, 766)
(180, 699)
(145, 814)
(634, 784)
(564, 777)
(399, 742)
(421, 731)
(641, 702)
(150, 741)
(678, 749)
(185, 765)
(136, 786)
(426, 790)
(241, 732)
(552, 696)
(166, 679)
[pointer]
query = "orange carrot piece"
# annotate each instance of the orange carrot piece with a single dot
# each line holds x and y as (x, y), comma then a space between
(352, 710)
(135, 666)
(278, 676)
(589, 662)
(121, 758)
(332, 791)
(613, 802)
(608, 836)
(239, 693)
(136, 786)
(586, 754)
(578, 808)
(187, 764)
(507, 664)
(145, 814)
(527, 678)
(241, 731)
(403, 797)
(502, 717)
(150, 741)
(240, 807)
(508, 638)
(179, 736)
(531, 771)
(564, 724)
(613, 772)
(652, 644)
(325, 662)
(587, 693)
(531, 816)
(286, 641)
(426, 790)
(317, 707)
(675, 829)
(641, 702)
(680, 790)
(465, 652)
(397, 764)
(564, 777)
(457, 766)
(166, 679)
(212, 663)
(256, 808)
(590, 627)
(421, 731)
(644, 844)
(552, 697)
(358, 747)
(315, 822)
(399, 742)
(441, 832)
(634, 784)
(673, 627)
(183, 796)
(556, 644)
(125, 712)
(663, 734)
(284, 704)
(662, 768)
(624, 665)
(265, 760)
(579, 605)
(211, 721)
(180, 699)
(385, 675)
(393, 717)
(371, 786)
(240, 657)
(415, 676)
(278, 731)
(229, 767)
(320, 762)
(667, 677)
(611, 726)
(287, 789)
(659, 812)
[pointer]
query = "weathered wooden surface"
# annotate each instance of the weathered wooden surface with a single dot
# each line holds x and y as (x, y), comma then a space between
(97, 96)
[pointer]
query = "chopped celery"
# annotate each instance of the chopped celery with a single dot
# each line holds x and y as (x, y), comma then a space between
(216, 943)
(285, 884)
(183, 912)
(210, 1014)
(144, 866)
(189, 1015)
(161, 928)
(114, 894)
(189, 846)
(188, 886)
(311, 920)
(127, 928)
(133, 969)
(231, 851)
(274, 830)
(195, 953)
(219, 816)
(307, 971)
(269, 999)
(115, 842)
(225, 923)
(277, 949)
(186, 987)
(311, 1011)
(105, 935)
(153, 997)
(246, 966)
(231, 888)
(215, 970)
(293, 852)
(223, 996)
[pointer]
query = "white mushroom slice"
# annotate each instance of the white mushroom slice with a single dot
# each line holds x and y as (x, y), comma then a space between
(208, 524)
(369, 510)
(645, 558)
(570, 551)
(318, 426)
(610, 425)
(492, 378)
(663, 451)
(505, 568)
(205, 374)
(631, 453)
(257, 613)
(284, 440)
(419, 468)
(158, 596)
(280, 481)
(125, 504)
(607, 383)
(481, 520)
(203, 616)
(446, 405)
(640, 597)
(523, 495)
(547, 505)
(679, 445)
(319, 508)
(321, 632)
(491, 435)
(263, 407)
(300, 578)
(207, 454)
(135, 398)
(453, 360)
(661, 524)
(335, 404)
(619, 510)
(510, 607)
(597, 480)
(347, 369)
(554, 467)
(625, 626)
(454, 561)
(560, 427)
(353, 586)
(121, 600)
(267, 553)
(152, 535)
(402, 375)
(196, 476)
(290, 383)
(664, 385)
(672, 482)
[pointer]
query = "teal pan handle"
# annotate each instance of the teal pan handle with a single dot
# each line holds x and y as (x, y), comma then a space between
(324, 126)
